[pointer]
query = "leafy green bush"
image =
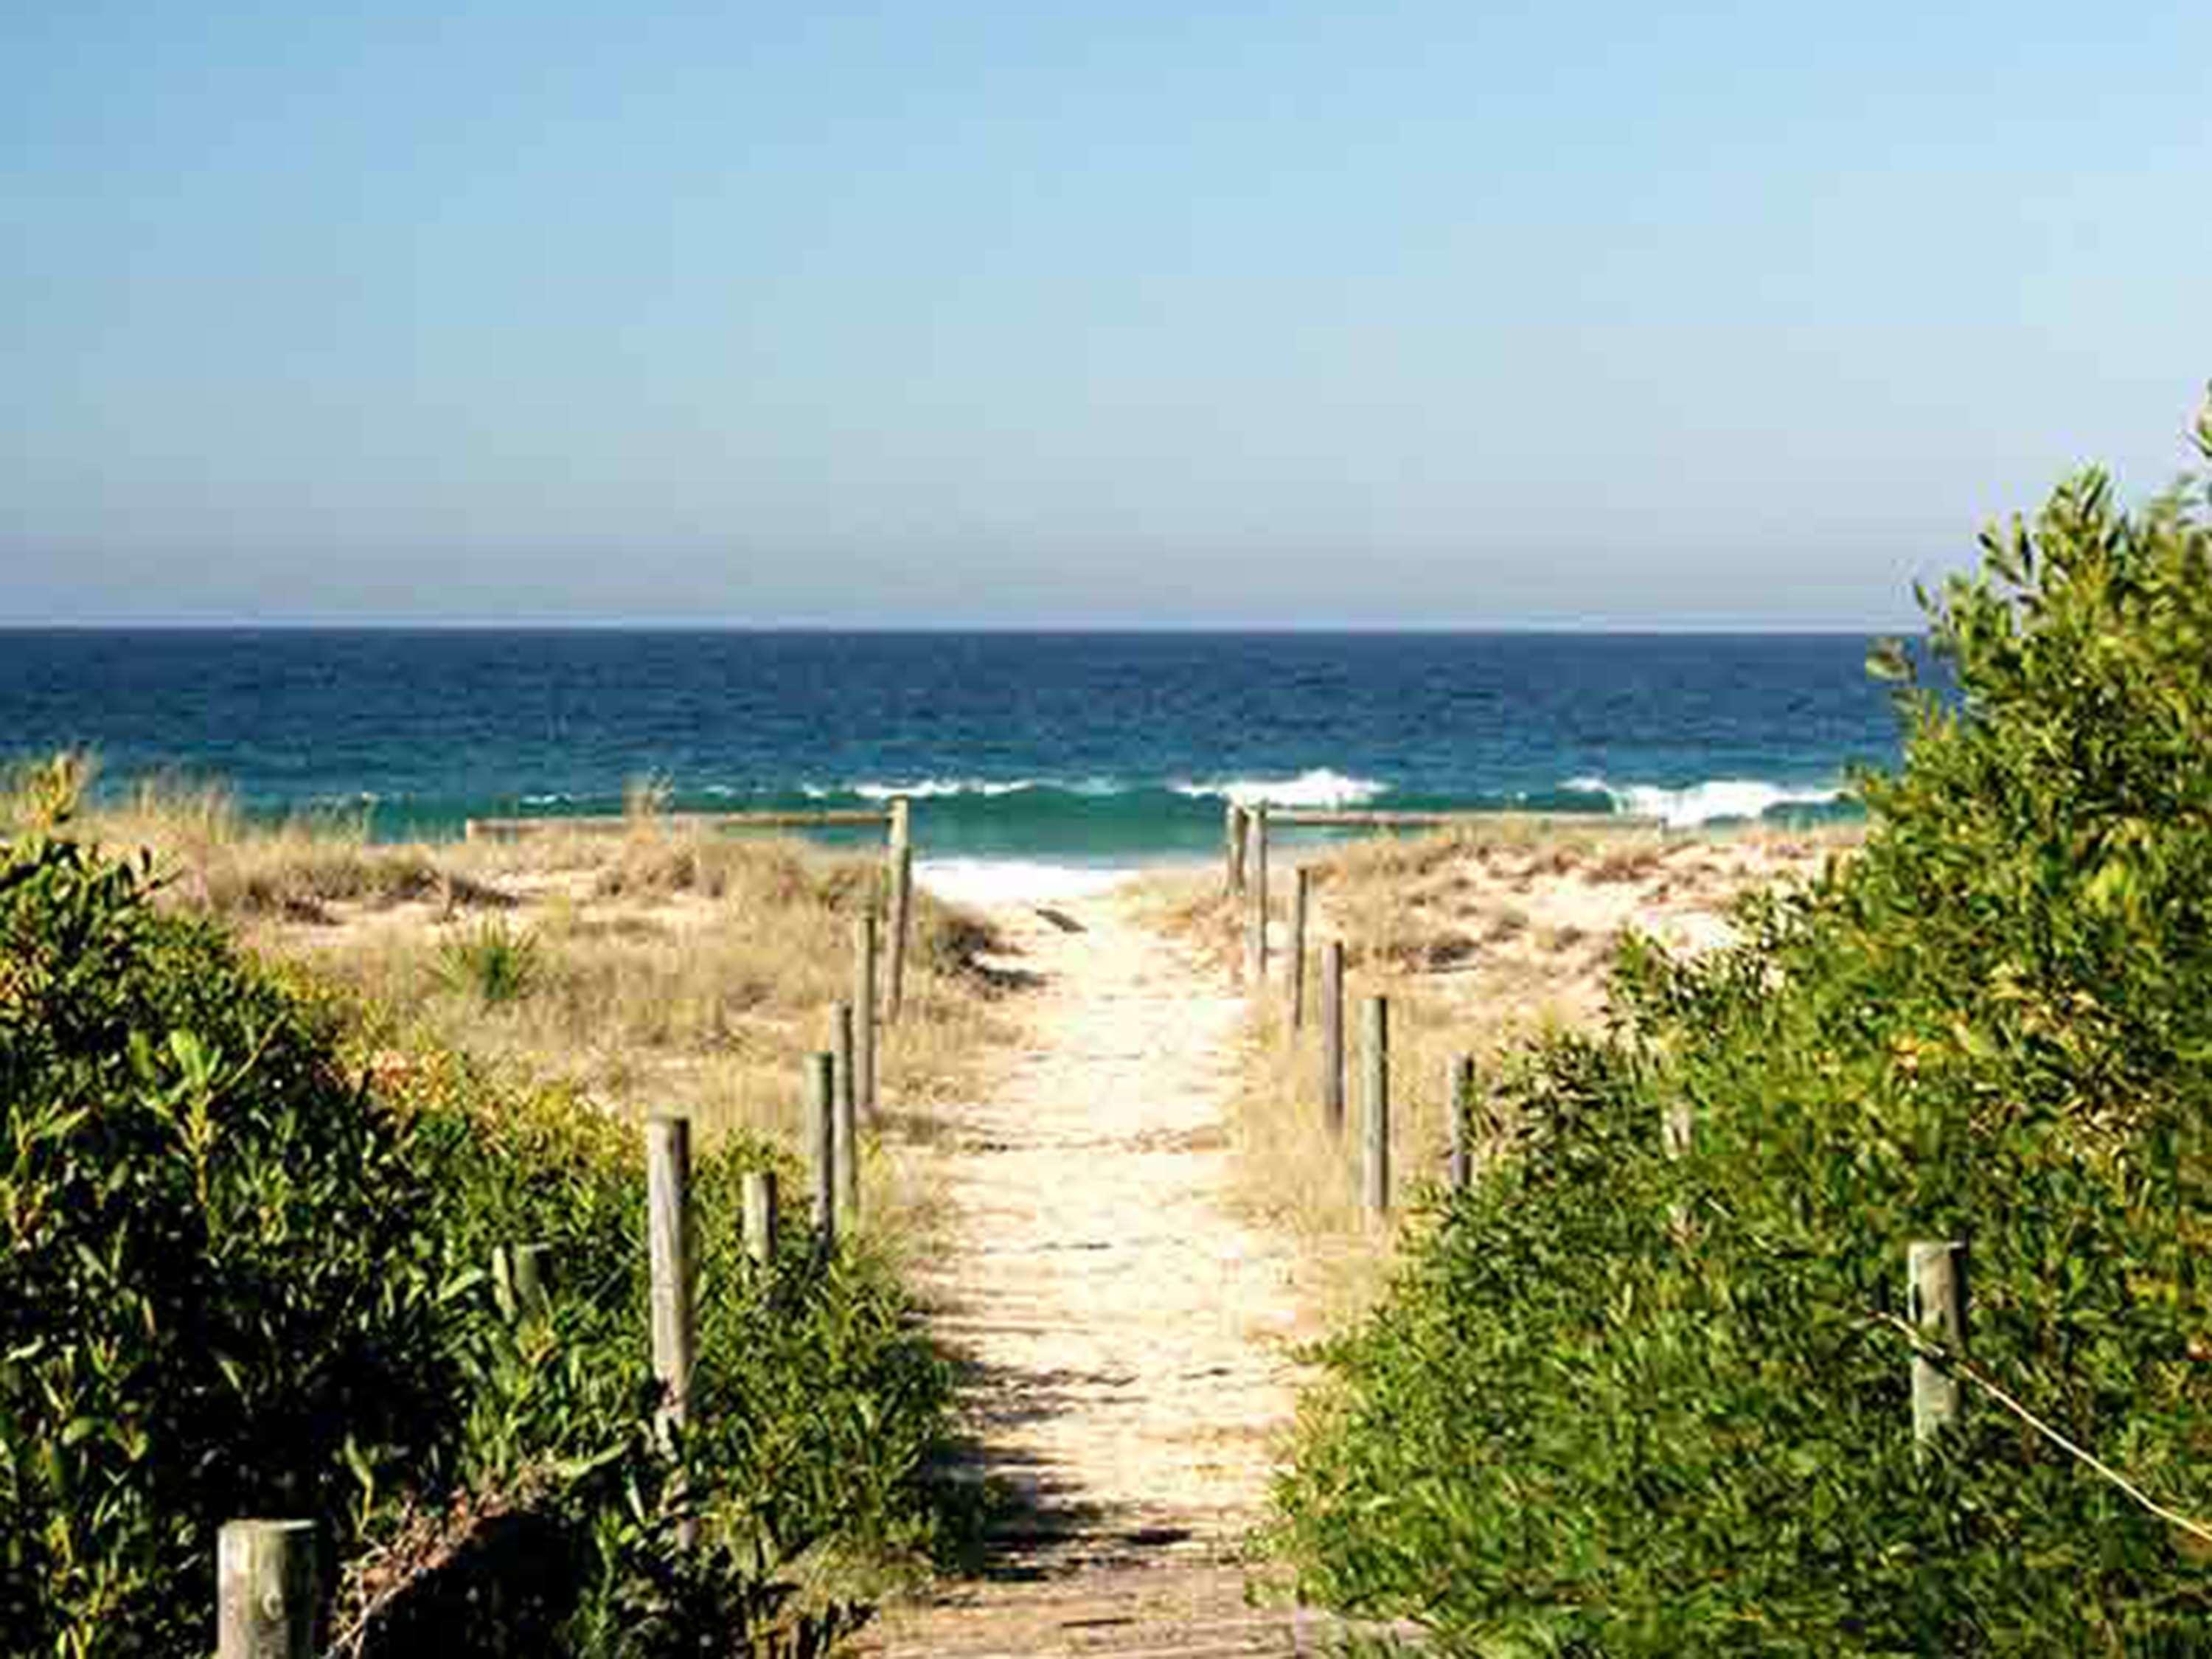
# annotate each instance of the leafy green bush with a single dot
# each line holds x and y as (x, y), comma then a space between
(218, 1274)
(240, 1281)
(490, 961)
(1617, 1403)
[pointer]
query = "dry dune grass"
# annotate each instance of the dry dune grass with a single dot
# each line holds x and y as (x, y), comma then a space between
(1479, 937)
(222, 862)
(659, 967)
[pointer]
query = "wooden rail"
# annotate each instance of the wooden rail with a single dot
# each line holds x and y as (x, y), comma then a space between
(825, 817)
(1361, 819)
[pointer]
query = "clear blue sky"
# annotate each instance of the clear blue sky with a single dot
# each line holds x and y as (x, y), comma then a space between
(1450, 314)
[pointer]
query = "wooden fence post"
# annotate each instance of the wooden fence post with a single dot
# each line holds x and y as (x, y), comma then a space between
(864, 1012)
(1255, 876)
(1459, 1166)
(1332, 1036)
(1676, 1127)
(1375, 1165)
(531, 1266)
(902, 918)
(760, 1216)
(822, 1148)
(675, 1329)
(842, 1050)
(1233, 837)
(268, 1591)
(1935, 1301)
(845, 1149)
(1294, 969)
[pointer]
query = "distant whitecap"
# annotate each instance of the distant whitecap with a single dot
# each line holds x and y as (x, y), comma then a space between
(1711, 801)
(1318, 787)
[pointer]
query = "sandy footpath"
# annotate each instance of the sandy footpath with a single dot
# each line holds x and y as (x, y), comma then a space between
(1130, 1384)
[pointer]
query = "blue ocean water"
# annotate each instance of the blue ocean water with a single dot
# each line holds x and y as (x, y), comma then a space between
(1085, 746)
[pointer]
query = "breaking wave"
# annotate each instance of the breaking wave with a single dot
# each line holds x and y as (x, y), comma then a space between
(1709, 802)
(1318, 787)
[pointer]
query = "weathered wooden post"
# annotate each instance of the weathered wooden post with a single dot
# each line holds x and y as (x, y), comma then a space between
(1256, 875)
(675, 1327)
(268, 1592)
(902, 918)
(1935, 1303)
(1294, 969)
(842, 1050)
(1675, 1127)
(1375, 1165)
(1332, 1036)
(760, 1216)
(845, 1152)
(864, 1012)
(1232, 838)
(532, 1268)
(1460, 1165)
(821, 1141)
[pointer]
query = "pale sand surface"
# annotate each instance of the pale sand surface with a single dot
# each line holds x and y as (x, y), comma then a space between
(1130, 1382)
(1131, 1336)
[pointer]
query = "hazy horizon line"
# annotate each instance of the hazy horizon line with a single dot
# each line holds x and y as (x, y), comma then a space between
(665, 625)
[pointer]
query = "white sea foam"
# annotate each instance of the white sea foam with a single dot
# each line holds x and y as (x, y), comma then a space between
(1318, 787)
(1702, 803)
(932, 788)
(1007, 881)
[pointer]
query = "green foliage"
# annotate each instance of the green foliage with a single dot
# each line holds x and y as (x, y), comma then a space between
(491, 961)
(240, 1281)
(1621, 1404)
(219, 1276)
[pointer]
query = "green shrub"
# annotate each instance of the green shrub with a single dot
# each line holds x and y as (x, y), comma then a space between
(490, 961)
(1619, 1404)
(219, 1289)
(240, 1281)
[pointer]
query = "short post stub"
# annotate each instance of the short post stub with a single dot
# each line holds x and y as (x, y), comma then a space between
(1294, 968)
(1332, 1036)
(1374, 1166)
(1459, 1105)
(1232, 848)
(1676, 1127)
(821, 1141)
(1256, 875)
(760, 1216)
(532, 1268)
(668, 1230)
(864, 1012)
(1936, 1304)
(268, 1591)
